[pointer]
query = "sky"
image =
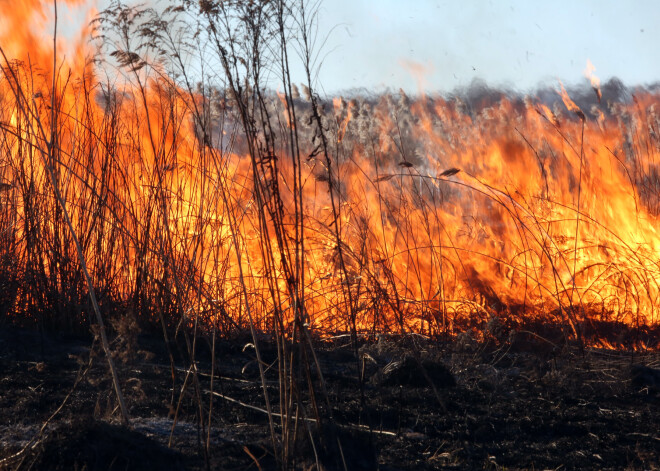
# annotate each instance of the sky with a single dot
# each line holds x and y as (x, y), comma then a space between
(517, 44)
(439, 45)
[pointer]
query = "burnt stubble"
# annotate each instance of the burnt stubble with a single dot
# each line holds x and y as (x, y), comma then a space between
(476, 406)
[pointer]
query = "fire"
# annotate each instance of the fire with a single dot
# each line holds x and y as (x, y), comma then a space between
(595, 81)
(570, 104)
(446, 216)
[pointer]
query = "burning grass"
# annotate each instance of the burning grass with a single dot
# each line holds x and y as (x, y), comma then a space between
(200, 200)
(216, 203)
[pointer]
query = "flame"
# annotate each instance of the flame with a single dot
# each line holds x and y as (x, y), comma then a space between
(446, 216)
(595, 81)
(570, 104)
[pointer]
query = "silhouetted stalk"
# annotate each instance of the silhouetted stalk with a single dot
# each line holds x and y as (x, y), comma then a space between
(48, 160)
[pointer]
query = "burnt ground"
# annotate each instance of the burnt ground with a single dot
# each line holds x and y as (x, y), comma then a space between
(522, 404)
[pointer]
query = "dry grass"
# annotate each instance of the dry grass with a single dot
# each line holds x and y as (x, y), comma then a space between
(206, 204)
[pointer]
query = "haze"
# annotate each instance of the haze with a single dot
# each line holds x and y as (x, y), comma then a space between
(443, 44)
(439, 45)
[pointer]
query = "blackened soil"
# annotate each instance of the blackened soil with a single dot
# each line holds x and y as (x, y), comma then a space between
(398, 403)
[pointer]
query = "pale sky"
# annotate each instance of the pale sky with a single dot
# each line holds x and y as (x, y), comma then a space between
(520, 44)
(516, 43)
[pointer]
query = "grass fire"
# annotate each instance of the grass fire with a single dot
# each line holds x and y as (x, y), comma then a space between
(205, 264)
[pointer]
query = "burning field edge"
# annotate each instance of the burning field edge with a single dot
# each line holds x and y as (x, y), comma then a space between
(200, 269)
(216, 201)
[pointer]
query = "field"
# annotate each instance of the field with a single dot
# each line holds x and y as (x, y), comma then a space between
(474, 406)
(233, 271)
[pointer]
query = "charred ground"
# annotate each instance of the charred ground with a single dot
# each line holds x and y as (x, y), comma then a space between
(519, 404)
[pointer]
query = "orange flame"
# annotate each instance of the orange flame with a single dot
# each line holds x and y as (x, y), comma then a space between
(446, 215)
(595, 81)
(570, 104)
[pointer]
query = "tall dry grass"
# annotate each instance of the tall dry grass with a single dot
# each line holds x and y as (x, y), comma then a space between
(206, 204)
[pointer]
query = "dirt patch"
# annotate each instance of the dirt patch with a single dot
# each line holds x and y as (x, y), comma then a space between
(420, 405)
(96, 445)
